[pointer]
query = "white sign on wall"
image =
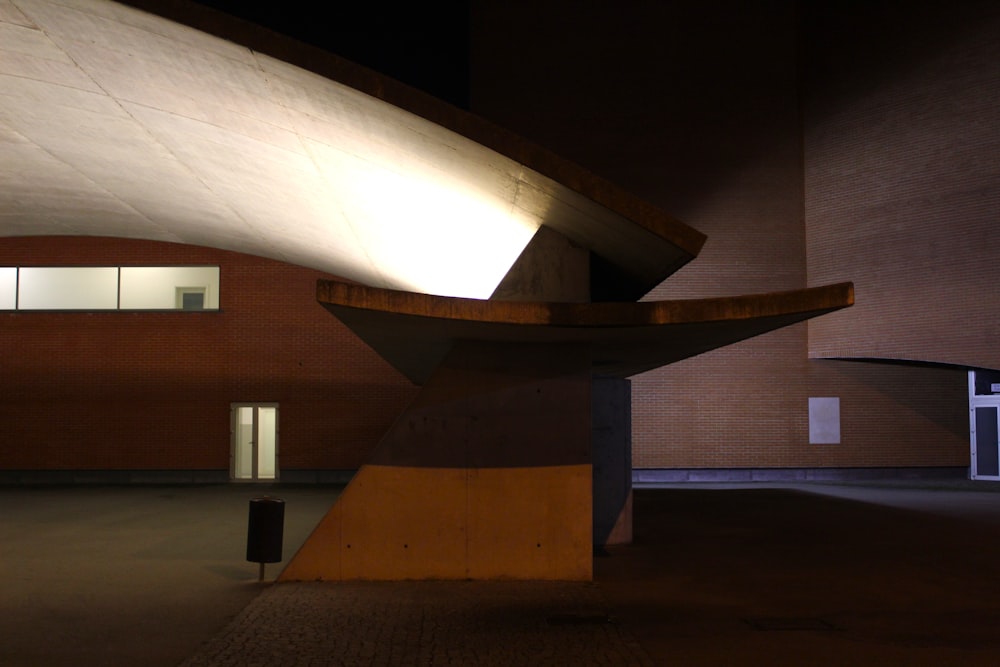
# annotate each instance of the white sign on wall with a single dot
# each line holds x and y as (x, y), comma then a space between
(824, 420)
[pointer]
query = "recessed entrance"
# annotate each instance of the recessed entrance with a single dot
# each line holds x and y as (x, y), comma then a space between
(254, 452)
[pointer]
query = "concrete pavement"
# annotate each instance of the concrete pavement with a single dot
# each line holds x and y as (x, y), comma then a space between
(129, 575)
(895, 574)
(889, 574)
(458, 623)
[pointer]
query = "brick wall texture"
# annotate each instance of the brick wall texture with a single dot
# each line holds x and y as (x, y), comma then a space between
(902, 138)
(735, 118)
(152, 390)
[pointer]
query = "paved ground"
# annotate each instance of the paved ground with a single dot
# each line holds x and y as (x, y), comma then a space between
(425, 623)
(129, 576)
(813, 575)
(737, 575)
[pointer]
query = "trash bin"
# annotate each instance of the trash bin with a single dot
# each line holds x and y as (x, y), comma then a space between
(264, 530)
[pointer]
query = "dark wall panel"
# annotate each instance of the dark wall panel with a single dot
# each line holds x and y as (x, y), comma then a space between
(902, 134)
(698, 108)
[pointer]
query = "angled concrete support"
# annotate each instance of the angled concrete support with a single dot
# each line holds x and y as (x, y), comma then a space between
(486, 475)
(489, 474)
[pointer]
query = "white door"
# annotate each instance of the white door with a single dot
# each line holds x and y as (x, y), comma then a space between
(254, 453)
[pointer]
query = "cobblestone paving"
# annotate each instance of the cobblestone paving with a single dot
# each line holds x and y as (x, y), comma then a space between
(424, 623)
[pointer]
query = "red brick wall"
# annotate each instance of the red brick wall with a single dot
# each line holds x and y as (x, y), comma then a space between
(152, 390)
(696, 107)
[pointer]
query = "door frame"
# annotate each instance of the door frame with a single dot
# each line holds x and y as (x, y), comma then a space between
(976, 402)
(234, 431)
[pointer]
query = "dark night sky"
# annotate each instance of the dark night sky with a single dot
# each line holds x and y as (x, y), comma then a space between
(425, 45)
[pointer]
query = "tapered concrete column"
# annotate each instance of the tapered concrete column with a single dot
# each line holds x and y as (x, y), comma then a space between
(553, 269)
(612, 458)
(486, 475)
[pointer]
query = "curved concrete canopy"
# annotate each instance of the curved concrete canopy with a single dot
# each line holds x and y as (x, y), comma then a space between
(118, 122)
(414, 332)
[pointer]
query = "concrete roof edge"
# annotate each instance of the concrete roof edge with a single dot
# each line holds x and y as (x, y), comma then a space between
(537, 158)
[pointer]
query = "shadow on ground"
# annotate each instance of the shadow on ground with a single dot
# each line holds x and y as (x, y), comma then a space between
(812, 575)
(742, 575)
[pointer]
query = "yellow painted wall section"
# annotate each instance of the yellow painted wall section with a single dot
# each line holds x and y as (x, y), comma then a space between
(531, 523)
(405, 523)
(396, 523)
(318, 559)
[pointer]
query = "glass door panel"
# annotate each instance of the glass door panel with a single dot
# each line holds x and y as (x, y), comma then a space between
(267, 449)
(987, 442)
(243, 444)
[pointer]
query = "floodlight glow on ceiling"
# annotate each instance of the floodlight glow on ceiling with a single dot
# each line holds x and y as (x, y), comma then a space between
(118, 122)
(182, 136)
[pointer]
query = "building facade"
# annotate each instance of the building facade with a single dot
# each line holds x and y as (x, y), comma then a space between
(811, 144)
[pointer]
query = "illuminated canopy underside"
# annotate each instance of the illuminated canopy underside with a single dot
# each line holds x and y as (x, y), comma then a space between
(118, 122)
